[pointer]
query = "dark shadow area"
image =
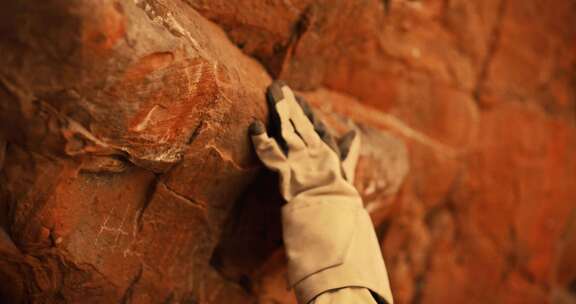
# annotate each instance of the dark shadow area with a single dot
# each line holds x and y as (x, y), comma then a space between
(252, 233)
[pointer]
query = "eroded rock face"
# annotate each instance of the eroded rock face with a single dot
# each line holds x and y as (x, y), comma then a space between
(128, 175)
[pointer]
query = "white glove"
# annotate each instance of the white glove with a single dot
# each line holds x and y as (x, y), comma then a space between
(308, 166)
(329, 237)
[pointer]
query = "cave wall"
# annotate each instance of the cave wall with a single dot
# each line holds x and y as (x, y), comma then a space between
(128, 175)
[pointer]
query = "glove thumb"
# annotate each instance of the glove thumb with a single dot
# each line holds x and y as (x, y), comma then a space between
(267, 148)
(349, 146)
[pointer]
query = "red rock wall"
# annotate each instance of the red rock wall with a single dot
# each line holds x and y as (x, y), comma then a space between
(128, 175)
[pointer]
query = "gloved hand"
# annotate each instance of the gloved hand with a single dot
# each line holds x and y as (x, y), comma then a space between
(329, 237)
(305, 154)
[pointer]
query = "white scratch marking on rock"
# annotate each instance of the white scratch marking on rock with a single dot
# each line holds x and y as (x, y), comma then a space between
(117, 232)
(144, 123)
(291, 6)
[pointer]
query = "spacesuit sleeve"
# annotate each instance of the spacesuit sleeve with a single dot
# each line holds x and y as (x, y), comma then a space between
(333, 253)
(350, 295)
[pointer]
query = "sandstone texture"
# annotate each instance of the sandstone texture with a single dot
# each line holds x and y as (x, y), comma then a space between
(127, 176)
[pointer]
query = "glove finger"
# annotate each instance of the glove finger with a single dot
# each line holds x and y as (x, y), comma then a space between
(302, 125)
(319, 126)
(281, 115)
(267, 149)
(349, 146)
(303, 103)
(345, 143)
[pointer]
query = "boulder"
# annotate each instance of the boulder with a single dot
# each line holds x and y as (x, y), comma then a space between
(127, 174)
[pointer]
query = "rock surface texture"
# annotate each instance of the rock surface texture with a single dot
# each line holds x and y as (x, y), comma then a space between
(127, 175)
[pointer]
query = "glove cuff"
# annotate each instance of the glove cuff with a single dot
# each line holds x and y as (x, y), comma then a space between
(330, 244)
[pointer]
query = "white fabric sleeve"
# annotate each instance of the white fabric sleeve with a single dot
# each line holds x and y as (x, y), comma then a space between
(331, 244)
(349, 295)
